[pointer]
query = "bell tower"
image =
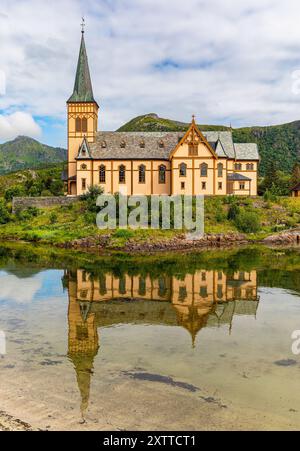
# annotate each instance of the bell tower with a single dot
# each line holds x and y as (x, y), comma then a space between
(82, 113)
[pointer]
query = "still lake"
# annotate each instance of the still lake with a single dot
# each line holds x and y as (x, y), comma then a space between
(182, 341)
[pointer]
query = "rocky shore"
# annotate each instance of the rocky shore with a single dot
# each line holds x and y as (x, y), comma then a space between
(288, 237)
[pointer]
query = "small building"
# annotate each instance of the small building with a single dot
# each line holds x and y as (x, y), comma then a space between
(296, 190)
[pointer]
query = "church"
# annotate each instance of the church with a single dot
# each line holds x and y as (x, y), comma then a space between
(151, 163)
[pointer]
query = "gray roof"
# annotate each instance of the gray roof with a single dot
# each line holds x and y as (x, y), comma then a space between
(108, 145)
(237, 177)
(246, 151)
(133, 149)
(296, 188)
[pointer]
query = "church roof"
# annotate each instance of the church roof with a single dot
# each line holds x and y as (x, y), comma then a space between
(238, 177)
(83, 90)
(159, 145)
(246, 151)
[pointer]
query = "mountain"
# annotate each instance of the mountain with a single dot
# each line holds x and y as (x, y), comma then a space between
(280, 143)
(27, 153)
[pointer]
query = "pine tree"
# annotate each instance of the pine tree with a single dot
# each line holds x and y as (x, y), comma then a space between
(295, 174)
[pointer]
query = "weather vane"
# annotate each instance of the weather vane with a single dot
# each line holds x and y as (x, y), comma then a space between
(82, 25)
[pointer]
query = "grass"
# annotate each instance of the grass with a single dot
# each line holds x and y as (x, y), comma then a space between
(60, 225)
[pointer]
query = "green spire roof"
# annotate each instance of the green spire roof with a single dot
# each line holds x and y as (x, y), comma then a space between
(83, 91)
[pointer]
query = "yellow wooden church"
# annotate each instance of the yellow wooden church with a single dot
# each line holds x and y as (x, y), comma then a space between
(158, 163)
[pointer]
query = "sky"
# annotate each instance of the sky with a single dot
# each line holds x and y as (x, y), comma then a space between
(226, 61)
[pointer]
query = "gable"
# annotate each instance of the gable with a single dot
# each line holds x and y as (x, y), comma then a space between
(194, 144)
(84, 151)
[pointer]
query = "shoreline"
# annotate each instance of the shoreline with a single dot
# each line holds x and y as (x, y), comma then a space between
(180, 243)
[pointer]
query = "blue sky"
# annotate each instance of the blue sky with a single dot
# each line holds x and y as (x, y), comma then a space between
(227, 61)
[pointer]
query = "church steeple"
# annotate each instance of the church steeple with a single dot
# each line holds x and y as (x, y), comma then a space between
(83, 90)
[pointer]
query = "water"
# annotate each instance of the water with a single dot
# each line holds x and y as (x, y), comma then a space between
(177, 342)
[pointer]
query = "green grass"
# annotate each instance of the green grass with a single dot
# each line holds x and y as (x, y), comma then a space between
(60, 225)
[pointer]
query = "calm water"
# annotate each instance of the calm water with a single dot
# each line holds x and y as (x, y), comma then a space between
(216, 326)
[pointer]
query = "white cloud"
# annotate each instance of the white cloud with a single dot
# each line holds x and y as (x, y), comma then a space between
(16, 124)
(228, 61)
(14, 289)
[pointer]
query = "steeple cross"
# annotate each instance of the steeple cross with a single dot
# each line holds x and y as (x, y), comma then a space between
(82, 25)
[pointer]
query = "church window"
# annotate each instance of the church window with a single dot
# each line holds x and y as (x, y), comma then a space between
(203, 292)
(142, 286)
(238, 166)
(83, 167)
(84, 125)
(204, 185)
(162, 174)
(220, 185)
(83, 184)
(203, 170)
(220, 170)
(193, 149)
(122, 174)
(182, 294)
(142, 174)
(102, 174)
(182, 170)
(123, 144)
(182, 185)
(78, 124)
(250, 166)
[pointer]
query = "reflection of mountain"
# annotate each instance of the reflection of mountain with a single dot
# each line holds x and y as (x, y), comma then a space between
(203, 299)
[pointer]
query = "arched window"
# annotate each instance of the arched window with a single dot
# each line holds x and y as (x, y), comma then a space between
(102, 174)
(142, 174)
(220, 170)
(78, 125)
(203, 170)
(250, 166)
(122, 174)
(84, 125)
(182, 170)
(162, 174)
(238, 166)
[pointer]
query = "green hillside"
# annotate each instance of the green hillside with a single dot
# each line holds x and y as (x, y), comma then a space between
(280, 143)
(27, 153)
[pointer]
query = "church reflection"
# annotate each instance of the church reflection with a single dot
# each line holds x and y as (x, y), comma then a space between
(193, 301)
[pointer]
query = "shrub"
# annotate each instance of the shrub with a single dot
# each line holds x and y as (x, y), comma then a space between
(233, 212)
(91, 197)
(4, 213)
(14, 191)
(53, 218)
(247, 222)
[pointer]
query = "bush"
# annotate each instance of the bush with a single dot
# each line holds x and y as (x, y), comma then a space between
(91, 197)
(4, 213)
(53, 218)
(247, 222)
(233, 212)
(14, 191)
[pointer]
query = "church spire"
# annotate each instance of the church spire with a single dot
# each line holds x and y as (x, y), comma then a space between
(83, 90)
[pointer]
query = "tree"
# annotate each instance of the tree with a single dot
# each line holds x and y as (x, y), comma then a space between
(295, 175)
